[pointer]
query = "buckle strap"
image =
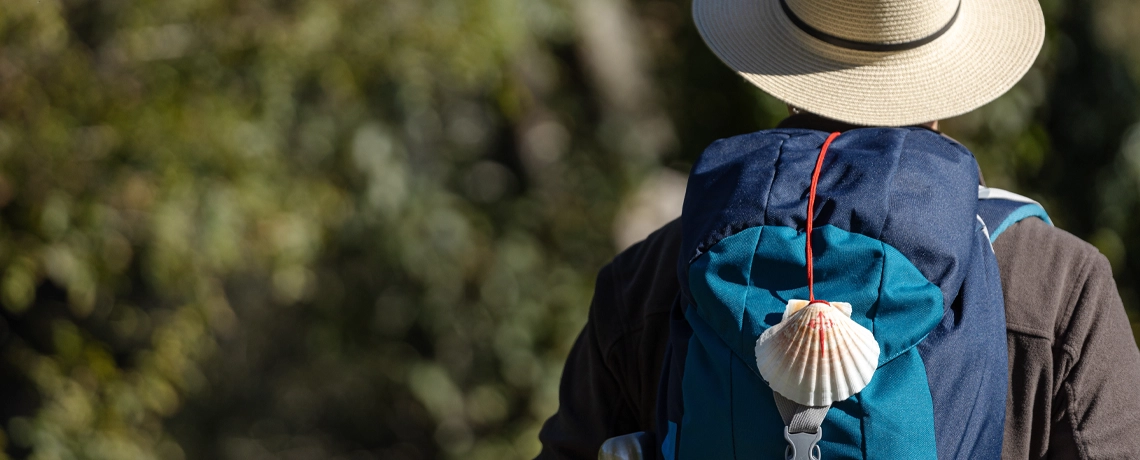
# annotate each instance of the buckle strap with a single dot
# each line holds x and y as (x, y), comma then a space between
(798, 417)
(803, 430)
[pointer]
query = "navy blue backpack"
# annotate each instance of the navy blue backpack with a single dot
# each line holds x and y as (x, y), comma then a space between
(902, 232)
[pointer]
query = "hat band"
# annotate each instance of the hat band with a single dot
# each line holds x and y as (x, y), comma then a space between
(866, 46)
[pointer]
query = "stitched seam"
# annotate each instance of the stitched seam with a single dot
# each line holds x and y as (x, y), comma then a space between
(959, 147)
(1082, 448)
(624, 336)
(607, 360)
(890, 195)
(619, 296)
(1071, 299)
(627, 393)
(1071, 355)
(616, 417)
(731, 407)
(748, 289)
(882, 244)
(1016, 328)
(772, 183)
(882, 281)
(608, 352)
(863, 427)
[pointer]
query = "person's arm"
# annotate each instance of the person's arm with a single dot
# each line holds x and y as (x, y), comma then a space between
(609, 384)
(591, 404)
(1074, 365)
(1096, 405)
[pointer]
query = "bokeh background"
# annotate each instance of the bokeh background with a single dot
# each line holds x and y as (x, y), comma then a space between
(359, 229)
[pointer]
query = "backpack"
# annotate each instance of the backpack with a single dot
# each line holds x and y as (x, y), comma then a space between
(900, 242)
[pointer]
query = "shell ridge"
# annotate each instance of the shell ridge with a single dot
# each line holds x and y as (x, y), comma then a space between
(802, 340)
(846, 361)
(861, 366)
(841, 365)
(792, 375)
(827, 328)
(853, 363)
(805, 339)
(819, 364)
(839, 359)
(868, 346)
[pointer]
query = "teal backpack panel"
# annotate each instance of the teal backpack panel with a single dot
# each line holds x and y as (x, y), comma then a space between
(740, 299)
(900, 412)
(707, 427)
(741, 287)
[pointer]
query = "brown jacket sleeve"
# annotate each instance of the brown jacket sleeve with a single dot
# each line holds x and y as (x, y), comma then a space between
(1074, 364)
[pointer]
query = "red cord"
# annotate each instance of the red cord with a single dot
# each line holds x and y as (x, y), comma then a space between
(811, 213)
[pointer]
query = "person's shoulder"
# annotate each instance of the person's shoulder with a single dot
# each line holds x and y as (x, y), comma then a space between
(658, 250)
(1043, 269)
(639, 284)
(1035, 233)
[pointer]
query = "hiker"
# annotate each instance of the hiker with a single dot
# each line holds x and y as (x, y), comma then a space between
(844, 285)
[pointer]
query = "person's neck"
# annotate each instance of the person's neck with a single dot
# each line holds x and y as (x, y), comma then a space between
(807, 120)
(804, 120)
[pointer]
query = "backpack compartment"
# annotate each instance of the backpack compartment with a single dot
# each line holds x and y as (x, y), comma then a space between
(898, 237)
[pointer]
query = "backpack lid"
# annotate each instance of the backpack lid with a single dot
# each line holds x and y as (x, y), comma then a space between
(911, 188)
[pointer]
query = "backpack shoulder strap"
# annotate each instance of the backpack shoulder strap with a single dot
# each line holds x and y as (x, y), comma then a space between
(999, 209)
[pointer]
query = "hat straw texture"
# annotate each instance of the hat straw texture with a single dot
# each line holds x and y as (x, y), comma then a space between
(984, 48)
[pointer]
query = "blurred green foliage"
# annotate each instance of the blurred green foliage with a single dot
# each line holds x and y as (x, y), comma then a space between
(301, 229)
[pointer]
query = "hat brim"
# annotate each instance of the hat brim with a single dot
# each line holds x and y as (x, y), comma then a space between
(984, 53)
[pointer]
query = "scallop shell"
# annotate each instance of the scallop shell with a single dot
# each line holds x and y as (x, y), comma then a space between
(817, 355)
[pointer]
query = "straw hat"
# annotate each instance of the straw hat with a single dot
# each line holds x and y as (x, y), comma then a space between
(876, 62)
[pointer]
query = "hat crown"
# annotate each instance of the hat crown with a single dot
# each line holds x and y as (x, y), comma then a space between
(876, 21)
